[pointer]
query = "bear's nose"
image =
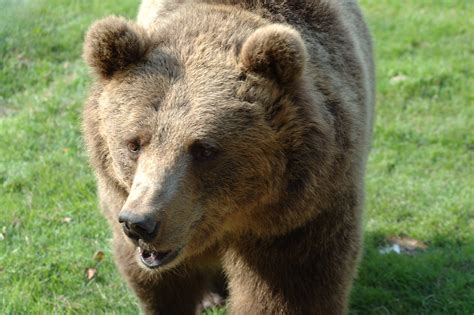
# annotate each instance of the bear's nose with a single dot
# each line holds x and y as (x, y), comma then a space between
(138, 226)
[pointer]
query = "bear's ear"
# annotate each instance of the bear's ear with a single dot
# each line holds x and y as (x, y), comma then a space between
(113, 44)
(274, 51)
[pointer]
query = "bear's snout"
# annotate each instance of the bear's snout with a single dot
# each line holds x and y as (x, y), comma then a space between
(138, 226)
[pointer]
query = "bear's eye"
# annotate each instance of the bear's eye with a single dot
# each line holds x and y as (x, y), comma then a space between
(242, 77)
(134, 146)
(202, 151)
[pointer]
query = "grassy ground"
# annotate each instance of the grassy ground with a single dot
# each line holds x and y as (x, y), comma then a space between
(419, 183)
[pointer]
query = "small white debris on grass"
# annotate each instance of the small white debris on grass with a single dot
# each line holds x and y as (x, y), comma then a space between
(398, 78)
(403, 245)
(91, 273)
(395, 248)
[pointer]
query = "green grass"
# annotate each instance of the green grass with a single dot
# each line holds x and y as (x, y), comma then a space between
(419, 182)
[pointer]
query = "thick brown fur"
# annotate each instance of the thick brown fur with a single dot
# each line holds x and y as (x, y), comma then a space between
(117, 45)
(282, 94)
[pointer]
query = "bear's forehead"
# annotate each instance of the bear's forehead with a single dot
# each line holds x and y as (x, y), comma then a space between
(176, 115)
(159, 103)
(204, 33)
(163, 80)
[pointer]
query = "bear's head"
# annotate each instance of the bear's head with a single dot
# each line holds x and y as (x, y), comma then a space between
(200, 123)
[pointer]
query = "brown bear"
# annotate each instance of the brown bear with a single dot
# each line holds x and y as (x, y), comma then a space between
(229, 139)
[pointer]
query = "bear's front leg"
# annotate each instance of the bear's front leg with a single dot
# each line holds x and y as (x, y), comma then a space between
(176, 291)
(292, 274)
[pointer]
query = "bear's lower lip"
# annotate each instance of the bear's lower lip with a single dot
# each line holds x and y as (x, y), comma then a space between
(155, 259)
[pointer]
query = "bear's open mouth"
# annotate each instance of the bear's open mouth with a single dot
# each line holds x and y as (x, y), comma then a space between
(155, 259)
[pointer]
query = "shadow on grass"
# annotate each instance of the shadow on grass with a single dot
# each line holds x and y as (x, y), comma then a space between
(439, 280)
